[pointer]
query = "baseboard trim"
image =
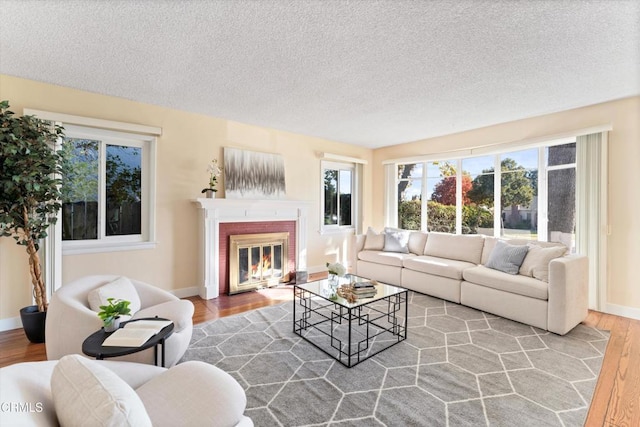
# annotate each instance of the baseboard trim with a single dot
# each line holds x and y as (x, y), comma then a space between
(185, 292)
(623, 310)
(10, 324)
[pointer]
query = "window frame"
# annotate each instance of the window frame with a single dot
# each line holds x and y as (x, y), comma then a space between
(458, 157)
(355, 195)
(105, 243)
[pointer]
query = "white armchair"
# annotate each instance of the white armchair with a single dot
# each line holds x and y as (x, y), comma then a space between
(70, 319)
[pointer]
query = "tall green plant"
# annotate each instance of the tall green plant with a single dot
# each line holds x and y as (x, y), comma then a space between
(29, 184)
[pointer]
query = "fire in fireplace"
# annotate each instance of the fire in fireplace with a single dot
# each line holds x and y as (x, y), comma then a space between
(257, 261)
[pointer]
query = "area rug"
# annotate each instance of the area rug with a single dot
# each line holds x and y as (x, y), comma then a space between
(458, 366)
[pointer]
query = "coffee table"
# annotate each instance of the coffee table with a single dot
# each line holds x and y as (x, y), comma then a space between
(350, 332)
(92, 346)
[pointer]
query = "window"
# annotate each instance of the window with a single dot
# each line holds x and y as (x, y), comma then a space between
(478, 175)
(338, 195)
(561, 196)
(468, 196)
(519, 194)
(441, 196)
(106, 198)
(410, 196)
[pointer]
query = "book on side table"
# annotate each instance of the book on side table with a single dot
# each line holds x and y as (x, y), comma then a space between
(135, 333)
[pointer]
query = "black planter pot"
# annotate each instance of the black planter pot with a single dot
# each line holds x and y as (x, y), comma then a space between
(33, 322)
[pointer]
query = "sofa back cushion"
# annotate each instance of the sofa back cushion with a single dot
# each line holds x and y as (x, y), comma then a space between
(490, 243)
(460, 247)
(395, 240)
(417, 242)
(536, 263)
(373, 241)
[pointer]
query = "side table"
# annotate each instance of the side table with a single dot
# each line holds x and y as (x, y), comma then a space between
(92, 346)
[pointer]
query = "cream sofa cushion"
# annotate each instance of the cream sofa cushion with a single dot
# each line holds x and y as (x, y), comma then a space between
(373, 241)
(460, 247)
(417, 242)
(536, 263)
(437, 266)
(490, 243)
(385, 258)
(120, 288)
(86, 393)
(516, 284)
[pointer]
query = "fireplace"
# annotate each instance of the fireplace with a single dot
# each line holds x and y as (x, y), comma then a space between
(257, 261)
(221, 218)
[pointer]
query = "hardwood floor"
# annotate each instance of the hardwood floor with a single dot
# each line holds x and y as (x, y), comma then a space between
(616, 400)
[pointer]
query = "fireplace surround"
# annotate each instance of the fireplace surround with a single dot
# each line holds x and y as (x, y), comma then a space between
(216, 215)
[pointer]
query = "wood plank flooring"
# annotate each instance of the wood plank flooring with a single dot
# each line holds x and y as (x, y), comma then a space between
(616, 399)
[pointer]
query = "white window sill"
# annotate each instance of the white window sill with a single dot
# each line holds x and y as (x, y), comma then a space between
(106, 247)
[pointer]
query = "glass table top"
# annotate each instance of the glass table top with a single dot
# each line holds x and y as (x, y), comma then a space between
(323, 288)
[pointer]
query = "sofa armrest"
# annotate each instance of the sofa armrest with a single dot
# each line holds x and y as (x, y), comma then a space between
(193, 393)
(356, 245)
(568, 293)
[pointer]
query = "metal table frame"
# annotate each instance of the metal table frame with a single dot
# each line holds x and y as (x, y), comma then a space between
(365, 314)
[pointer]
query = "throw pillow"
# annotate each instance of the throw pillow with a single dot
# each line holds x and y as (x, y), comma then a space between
(506, 257)
(536, 263)
(86, 393)
(121, 288)
(396, 240)
(373, 241)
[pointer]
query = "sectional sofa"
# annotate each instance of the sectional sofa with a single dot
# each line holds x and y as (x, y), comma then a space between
(548, 291)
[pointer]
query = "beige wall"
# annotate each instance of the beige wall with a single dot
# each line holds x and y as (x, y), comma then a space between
(188, 143)
(623, 184)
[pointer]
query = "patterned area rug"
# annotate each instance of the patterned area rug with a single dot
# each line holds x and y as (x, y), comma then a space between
(458, 366)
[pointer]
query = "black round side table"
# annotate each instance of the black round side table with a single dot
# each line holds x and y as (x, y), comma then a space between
(92, 346)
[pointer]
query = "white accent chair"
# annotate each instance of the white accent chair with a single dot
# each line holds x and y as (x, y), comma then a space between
(189, 394)
(70, 320)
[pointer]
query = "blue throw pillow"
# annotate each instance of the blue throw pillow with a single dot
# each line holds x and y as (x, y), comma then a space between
(506, 257)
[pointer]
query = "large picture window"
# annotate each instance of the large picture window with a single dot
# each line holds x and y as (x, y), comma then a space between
(105, 188)
(497, 195)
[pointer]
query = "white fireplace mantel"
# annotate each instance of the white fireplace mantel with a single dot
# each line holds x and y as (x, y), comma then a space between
(213, 212)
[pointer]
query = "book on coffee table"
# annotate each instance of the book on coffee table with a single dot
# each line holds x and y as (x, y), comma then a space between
(136, 333)
(364, 285)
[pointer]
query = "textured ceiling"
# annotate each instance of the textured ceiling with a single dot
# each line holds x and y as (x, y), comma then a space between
(372, 73)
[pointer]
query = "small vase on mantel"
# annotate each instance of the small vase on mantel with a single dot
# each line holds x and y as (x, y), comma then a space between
(210, 193)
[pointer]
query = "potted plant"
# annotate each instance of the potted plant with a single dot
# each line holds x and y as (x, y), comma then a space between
(29, 197)
(110, 313)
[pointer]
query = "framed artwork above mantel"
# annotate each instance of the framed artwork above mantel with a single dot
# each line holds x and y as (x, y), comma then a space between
(253, 175)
